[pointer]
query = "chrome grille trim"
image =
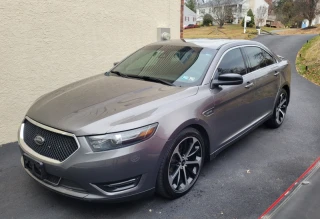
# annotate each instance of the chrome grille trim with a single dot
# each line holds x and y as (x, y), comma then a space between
(36, 155)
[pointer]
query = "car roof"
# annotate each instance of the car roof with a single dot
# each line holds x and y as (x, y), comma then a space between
(206, 43)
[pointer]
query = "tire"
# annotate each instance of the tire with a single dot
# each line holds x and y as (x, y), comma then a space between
(181, 161)
(279, 111)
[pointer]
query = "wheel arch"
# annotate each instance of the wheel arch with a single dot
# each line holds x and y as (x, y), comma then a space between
(199, 125)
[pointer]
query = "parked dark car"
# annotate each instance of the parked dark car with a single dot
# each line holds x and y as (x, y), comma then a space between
(192, 26)
(151, 122)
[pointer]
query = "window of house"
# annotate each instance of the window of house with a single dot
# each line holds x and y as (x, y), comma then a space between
(232, 62)
(185, 18)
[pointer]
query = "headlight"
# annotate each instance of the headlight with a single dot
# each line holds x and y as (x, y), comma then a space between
(121, 139)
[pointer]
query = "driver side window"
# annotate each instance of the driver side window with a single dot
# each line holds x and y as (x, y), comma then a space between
(232, 62)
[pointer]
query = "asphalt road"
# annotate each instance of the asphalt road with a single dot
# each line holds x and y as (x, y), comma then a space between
(240, 183)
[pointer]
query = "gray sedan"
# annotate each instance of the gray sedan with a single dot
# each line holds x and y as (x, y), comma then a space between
(150, 123)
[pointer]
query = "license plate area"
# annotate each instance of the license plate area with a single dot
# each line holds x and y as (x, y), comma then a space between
(35, 167)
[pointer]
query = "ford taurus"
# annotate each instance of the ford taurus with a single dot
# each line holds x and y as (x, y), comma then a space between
(151, 122)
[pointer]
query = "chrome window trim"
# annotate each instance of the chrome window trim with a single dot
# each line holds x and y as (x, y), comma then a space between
(236, 47)
(36, 155)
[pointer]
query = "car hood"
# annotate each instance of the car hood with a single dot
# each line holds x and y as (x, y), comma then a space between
(102, 104)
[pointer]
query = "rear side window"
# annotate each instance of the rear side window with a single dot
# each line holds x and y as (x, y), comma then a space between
(258, 58)
(232, 62)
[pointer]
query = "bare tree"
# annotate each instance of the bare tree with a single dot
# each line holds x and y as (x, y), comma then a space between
(289, 12)
(270, 9)
(261, 14)
(221, 11)
(310, 9)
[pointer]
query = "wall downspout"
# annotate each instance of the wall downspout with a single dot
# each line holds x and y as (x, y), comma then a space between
(181, 19)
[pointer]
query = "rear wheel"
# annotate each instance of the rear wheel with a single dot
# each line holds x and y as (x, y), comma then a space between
(181, 168)
(279, 111)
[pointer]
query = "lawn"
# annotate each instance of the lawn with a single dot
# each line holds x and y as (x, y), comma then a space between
(230, 31)
(308, 60)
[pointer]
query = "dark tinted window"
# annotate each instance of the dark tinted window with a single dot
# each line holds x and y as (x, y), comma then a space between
(258, 58)
(269, 60)
(180, 65)
(232, 62)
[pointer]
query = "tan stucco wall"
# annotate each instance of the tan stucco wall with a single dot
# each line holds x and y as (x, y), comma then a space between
(47, 44)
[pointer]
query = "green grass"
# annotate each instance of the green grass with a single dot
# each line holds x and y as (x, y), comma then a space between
(309, 56)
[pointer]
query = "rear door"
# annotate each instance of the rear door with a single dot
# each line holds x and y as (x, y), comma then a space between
(233, 104)
(266, 70)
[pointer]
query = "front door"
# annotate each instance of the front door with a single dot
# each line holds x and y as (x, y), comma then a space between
(233, 104)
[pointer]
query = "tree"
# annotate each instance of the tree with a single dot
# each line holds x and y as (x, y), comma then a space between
(249, 23)
(309, 9)
(221, 10)
(289, 12)
(207, 20)
(191, 4)
(270, 8)
(262, 13)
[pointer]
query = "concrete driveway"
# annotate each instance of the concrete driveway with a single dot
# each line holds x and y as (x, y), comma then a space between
(240, 183)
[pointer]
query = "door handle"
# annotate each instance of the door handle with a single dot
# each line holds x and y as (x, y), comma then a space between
(276, 73)
(249, 84)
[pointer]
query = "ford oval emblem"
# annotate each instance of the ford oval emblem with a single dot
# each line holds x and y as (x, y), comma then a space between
(39, 140)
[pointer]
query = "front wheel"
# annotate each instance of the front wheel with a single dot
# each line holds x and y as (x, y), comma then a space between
(279, 111)
(181, 168)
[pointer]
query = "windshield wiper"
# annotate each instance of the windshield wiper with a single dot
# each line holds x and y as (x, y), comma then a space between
(147, 78)
(119, 74)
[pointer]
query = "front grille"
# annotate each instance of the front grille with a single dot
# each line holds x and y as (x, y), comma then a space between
(56, 146)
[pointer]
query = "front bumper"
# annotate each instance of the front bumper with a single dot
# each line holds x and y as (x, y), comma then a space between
(85, 170)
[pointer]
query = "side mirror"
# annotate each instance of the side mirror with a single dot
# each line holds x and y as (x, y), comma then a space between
(115, 63)
(227, 79)
(280, 57)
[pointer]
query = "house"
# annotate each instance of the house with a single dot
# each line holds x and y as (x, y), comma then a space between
(190, 17)
(239, 9)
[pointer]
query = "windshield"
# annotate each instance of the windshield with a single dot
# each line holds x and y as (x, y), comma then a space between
(178, 65)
